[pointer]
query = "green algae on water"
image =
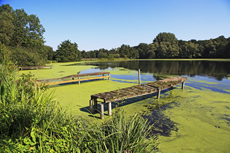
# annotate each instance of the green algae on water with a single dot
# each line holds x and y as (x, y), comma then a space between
(197, 120)
(202, 122)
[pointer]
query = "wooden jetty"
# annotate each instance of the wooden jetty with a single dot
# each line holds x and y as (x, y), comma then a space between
(76, 78)
(35, 67)
(133, 91)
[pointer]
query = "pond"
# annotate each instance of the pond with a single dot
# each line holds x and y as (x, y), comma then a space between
(196, 119)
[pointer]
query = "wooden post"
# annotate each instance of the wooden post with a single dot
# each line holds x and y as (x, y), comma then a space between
(103, 78)
(95, 105)
(182, 86)
(109, 108)
(109, 76)
(139, 76)
(102, 110)
(73, 79)
(158, 93)
(91, 105)
(79, 80)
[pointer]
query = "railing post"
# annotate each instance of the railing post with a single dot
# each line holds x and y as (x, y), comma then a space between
(95, 105)
(91, 105)
(182, 86)
(110, 108)
(158, 93)
(102, 110)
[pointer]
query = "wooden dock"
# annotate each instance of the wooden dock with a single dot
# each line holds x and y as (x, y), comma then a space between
(75, 78)
(133, 91)
(35, 67)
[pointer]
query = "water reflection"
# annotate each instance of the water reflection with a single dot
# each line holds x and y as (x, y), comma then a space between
(215, 69)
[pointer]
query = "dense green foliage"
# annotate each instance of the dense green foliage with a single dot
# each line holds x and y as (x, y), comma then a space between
(166, 45)
(68, 52)
(22, 35)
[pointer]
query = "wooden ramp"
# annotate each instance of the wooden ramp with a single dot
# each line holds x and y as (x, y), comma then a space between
(76, 78)
(133, 91)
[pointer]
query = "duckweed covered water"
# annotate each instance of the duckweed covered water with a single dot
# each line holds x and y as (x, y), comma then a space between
(196, 119)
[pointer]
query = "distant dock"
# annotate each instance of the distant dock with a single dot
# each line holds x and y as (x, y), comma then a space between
(134, 91)
(75, 78)
(35, 67)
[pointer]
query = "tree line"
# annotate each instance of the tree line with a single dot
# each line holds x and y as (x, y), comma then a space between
(22, 35)
(166, 45)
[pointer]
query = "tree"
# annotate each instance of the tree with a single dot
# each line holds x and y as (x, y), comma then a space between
(189, 50)
(124, 50)
(151, 50)
(28, 30)
(92, 54)
(49, 52)
(227, 50)
(166, 37)
(210, 49)
(6, 27)
(133, 53)
(143, 50)
(167, 45)
(68, 52)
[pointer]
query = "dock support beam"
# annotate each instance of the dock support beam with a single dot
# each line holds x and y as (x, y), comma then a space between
(91, 106)
(102, 110)
(95, 105)
(78, 80)
(158, 93)
(182, 86)
(109, 108)
(139, 76)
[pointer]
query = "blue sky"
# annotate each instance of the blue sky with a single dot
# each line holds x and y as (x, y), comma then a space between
(95, 24)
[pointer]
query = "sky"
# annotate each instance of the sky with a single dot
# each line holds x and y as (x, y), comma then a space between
(95, 24)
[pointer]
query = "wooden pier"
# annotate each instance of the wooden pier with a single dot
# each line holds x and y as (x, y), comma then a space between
(35, 67)
(75, 78)
(131, 92)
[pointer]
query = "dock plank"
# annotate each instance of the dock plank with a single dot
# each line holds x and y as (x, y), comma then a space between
(139, 90)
